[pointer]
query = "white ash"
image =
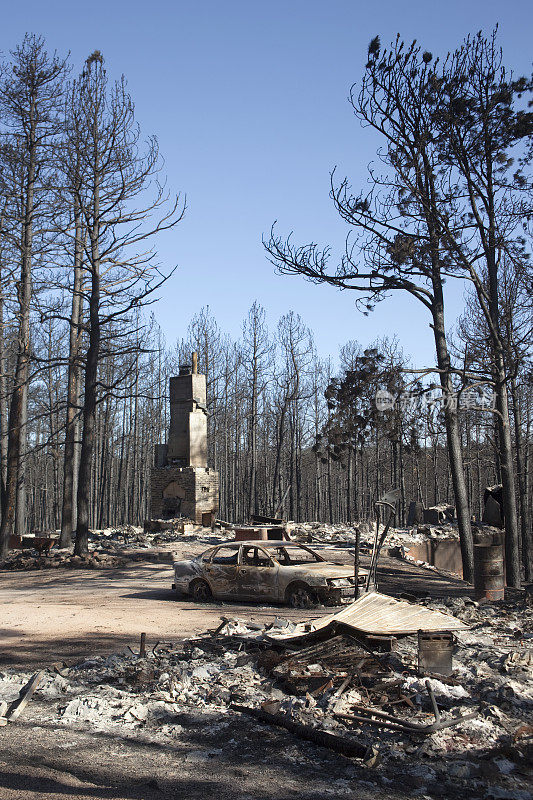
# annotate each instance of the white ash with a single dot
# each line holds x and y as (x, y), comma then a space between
(153, 697)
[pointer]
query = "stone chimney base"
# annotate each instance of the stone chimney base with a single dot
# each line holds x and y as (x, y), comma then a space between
(190, 492)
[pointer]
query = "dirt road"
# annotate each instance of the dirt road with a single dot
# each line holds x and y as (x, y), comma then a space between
(65, 615)
(71, 614)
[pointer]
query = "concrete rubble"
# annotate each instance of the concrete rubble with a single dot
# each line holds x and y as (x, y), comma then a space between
(211, 675)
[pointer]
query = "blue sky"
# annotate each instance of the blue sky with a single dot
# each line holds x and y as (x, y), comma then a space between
(249, 103)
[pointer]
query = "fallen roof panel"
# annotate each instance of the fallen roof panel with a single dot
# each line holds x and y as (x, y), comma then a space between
(376, 613)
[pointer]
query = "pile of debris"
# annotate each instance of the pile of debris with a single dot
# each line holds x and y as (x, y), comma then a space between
(115, 546)
(32, 560)
(130, 537)
(110, 548)
(471, 729)
(318, 532)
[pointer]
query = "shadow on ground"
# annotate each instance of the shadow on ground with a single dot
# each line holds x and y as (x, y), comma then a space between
(65, 649)
(103, 765)
(110, 589)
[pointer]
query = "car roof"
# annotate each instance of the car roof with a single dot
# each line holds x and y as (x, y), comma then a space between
(266, 543)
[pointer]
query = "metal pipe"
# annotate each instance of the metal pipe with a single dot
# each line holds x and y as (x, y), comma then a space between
(436, 711)
(392, 511)
(356, 563)
(388, 721)
(378, 542)
(374, 547)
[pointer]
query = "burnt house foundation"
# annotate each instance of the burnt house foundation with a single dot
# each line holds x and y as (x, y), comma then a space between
(182, 484)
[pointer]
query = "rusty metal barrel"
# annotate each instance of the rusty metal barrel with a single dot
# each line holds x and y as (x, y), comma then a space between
(435, 652)
(489, 573)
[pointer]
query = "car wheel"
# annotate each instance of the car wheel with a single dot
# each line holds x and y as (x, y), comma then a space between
(300, 596)
(201, 591)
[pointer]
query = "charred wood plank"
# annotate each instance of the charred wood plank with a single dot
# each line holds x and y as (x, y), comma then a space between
(341, 744)
(25, 696)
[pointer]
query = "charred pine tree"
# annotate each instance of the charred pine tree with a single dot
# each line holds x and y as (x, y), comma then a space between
(476, 352)
(484, 132)
(76, 235)
(256, 350)
(30, 102)
(397, 243)
(112, 184)
(4, 260)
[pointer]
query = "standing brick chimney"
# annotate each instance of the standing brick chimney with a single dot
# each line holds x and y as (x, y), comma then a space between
(182, 484)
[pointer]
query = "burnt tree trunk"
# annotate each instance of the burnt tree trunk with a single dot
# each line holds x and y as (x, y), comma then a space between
(89, 404)
(68, 514)
(24, 292)
(453, 436)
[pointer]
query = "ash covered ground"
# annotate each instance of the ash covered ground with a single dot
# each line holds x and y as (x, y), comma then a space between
(116, 725)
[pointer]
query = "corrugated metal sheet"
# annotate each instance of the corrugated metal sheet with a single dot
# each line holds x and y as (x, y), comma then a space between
(376, 613)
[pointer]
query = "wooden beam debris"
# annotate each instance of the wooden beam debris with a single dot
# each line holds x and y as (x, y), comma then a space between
(25, 696)
(341, 744)
(142, 650)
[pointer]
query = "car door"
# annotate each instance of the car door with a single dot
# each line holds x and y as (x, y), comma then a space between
(221, 571)
(258, 574)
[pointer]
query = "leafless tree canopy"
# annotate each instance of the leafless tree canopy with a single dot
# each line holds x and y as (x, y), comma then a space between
(84, 366)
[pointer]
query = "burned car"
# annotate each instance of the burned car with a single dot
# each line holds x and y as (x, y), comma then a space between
(277, 571)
